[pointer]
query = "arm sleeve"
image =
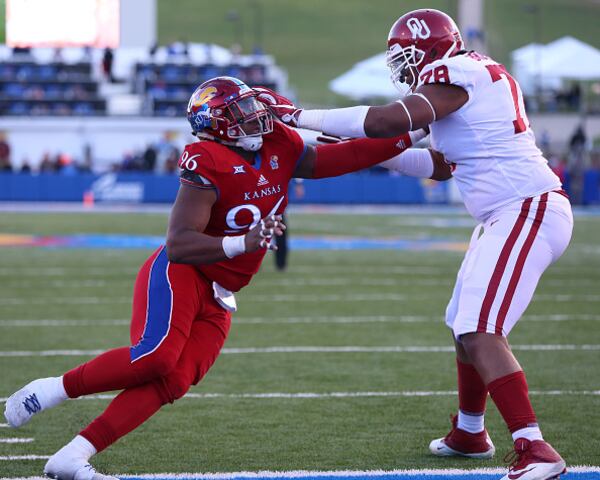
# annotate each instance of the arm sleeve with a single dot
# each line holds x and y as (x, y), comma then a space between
(338, 159)
(415, 162)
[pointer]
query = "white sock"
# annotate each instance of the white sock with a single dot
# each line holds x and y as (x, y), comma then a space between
(50, 391)
(470, 423)
(80, 447)
(530, 433)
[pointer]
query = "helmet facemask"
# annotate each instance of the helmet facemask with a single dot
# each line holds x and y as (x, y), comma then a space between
(404, 65)
(246, 117)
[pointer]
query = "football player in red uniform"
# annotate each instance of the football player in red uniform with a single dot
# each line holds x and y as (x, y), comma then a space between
(474, 109)
(233, 192)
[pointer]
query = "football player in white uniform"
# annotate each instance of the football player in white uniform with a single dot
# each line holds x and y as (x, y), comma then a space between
(474, 110)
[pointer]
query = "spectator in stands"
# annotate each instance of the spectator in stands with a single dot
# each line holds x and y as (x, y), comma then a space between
(25, 166)
(130, 162)
(545, 142)
(578, 140)
(576, 165)
(67, 165)
(21, 52)
(178, 49)
(88, 160)
(47, 165)
(5, 163)
(149, 159)
(152, 51)
(164, 149)
(57, 57)
(86, 54)
(107, 64)
(171, 163)
(574, 97)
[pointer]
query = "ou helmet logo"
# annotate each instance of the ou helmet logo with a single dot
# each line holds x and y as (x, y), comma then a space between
(418, 28)
(231, 214)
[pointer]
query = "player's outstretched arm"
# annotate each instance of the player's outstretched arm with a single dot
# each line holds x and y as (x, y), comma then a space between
(333, 160)
(420, 163)
(413, 112)
(186, 242)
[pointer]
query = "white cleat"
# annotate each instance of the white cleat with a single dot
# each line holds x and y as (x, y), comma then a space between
(460, 443)
(63, 465)
(33, 398)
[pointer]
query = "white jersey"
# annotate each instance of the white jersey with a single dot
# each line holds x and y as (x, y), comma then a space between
(488, 138)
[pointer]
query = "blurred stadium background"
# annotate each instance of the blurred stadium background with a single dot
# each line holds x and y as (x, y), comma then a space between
(91, 125)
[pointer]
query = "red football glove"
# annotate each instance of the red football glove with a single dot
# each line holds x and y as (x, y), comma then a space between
(278, 105)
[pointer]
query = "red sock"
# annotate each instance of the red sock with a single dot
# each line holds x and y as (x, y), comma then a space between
(472, 392)
(109, 371)
(511, 396)
(127, 411)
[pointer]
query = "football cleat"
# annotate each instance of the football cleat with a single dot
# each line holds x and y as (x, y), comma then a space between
(534, 460)
(63, 465)
(464, 444)
(33, 398)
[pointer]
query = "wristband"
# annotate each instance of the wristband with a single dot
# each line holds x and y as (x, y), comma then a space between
(234, 246)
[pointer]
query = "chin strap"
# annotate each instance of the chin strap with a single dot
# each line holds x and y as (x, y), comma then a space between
(250, 144)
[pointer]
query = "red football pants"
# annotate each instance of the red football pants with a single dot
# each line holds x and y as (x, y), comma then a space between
(177, 332)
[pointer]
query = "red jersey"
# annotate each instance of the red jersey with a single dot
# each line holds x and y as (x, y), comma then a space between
(246, 193)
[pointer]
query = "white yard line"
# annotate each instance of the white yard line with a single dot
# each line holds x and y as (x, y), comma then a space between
(16, 440)
(62, 323)
(312, 349)
(282, 298)
(24, 457)
(4, 425)
(327, 395)
(294, 320)
(65, 271)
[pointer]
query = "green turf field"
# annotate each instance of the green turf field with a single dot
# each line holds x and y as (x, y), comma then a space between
(317, 40)
(326, 299)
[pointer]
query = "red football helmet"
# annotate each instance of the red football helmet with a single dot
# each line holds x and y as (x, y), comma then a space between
(417, 39)
(225, 109)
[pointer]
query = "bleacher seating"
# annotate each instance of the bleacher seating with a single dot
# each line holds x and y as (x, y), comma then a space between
(168, 86)
(31, 88)
(70, 81)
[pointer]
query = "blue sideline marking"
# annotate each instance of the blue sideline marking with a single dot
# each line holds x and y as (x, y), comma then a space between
(395, 476)
(295, 243)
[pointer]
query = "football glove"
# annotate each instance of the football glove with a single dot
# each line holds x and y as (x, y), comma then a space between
(281, 107)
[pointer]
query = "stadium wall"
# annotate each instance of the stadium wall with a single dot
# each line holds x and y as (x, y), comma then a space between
(111, 137)
(360, 188)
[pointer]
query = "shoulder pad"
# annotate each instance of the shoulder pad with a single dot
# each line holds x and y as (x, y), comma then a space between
(460, 70)
(196, 157)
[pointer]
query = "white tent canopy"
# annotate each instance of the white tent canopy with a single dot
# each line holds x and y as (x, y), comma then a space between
(548, 65)
(368, 78)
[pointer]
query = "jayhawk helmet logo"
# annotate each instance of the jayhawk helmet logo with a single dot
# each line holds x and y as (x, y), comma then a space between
(198, 107)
